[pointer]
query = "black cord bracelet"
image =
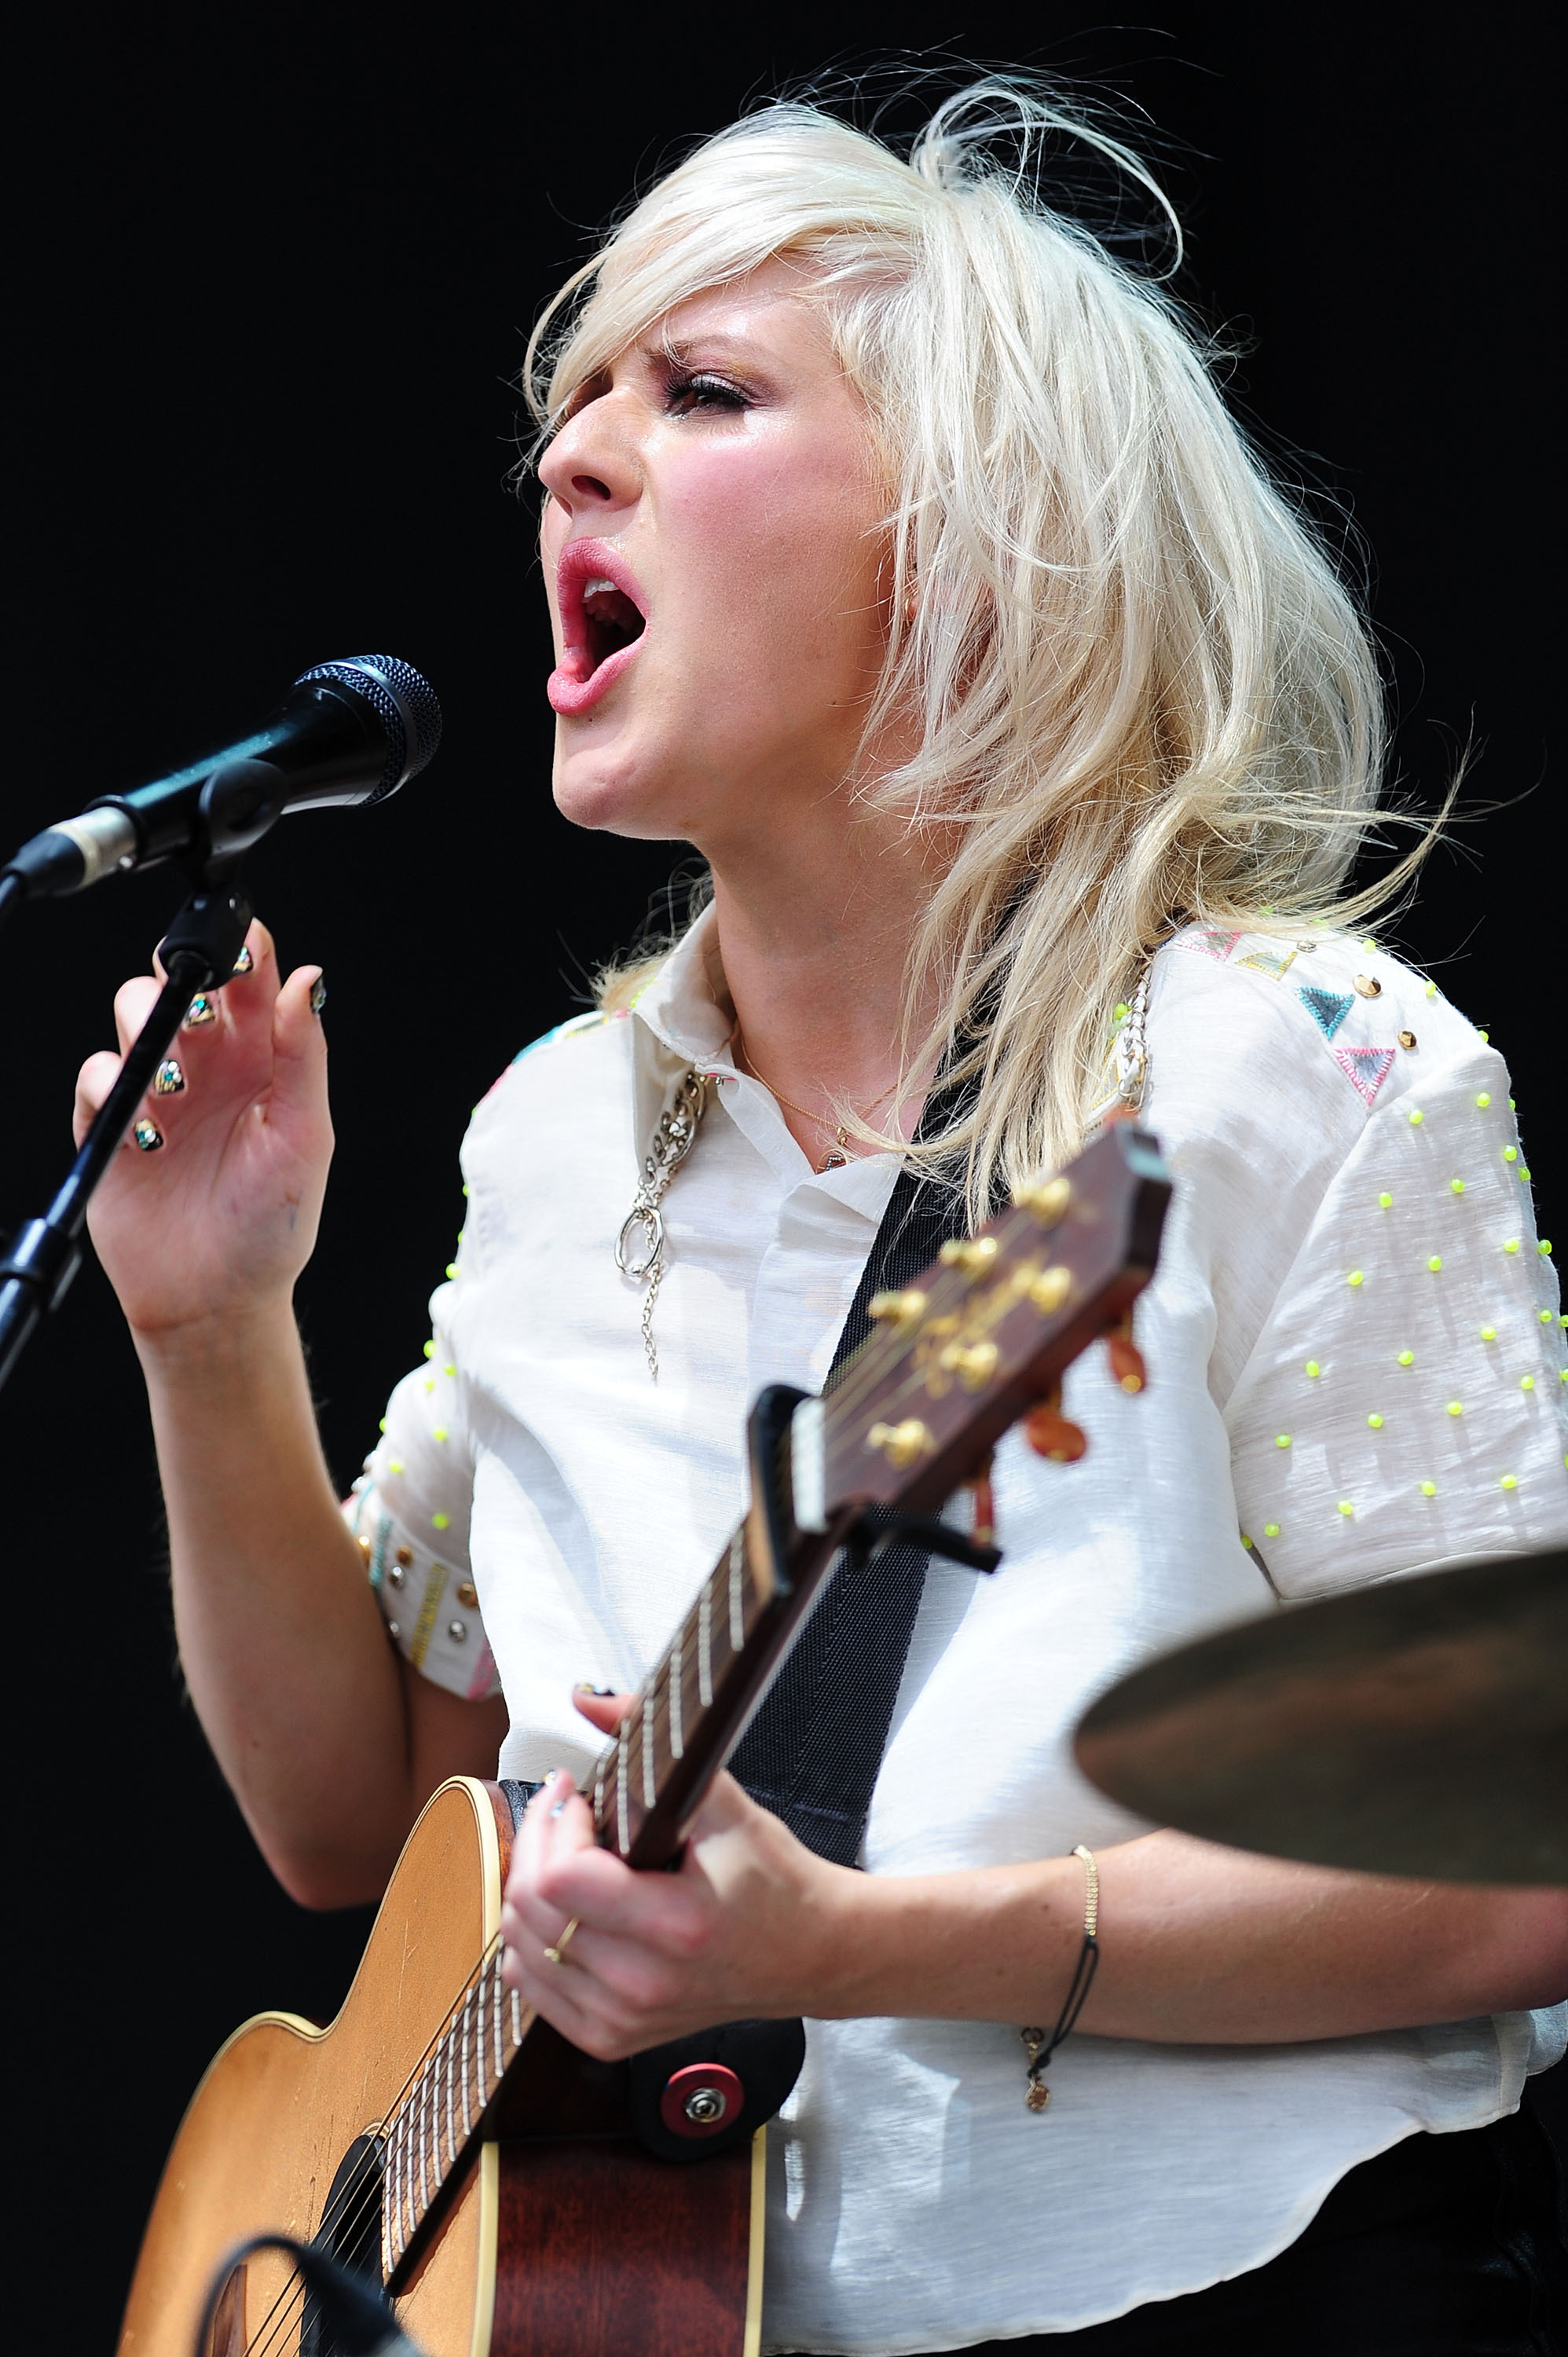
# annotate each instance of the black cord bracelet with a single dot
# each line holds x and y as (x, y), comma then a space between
(1039, 2045)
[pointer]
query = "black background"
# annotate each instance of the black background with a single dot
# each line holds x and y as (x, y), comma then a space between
(270, 274)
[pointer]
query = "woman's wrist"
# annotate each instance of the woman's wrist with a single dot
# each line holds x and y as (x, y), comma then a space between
(235, 1337)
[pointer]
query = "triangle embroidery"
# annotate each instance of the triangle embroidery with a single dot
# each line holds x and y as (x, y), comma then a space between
(1266, 962)
(1212, 943)
(1365, 1068)
(1328, 1010)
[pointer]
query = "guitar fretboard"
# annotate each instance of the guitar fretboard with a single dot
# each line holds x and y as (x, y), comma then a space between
(436, 2116)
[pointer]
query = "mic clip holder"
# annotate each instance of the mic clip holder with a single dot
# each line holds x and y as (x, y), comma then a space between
(198, 953)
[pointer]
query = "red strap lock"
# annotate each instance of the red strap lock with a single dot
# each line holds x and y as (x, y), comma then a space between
(701, 2100)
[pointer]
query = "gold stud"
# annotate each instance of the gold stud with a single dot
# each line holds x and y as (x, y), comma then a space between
(1049, 1289)
(406, 1557)
(1407, 1038)
(973, 1363)
(901, 1444)
(468, 1593)
(1368, 986)
(1047, 1198)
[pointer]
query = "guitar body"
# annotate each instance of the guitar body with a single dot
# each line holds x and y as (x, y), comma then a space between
(552, 2246)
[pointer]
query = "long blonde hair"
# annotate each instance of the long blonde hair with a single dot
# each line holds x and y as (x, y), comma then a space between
(1146, 695)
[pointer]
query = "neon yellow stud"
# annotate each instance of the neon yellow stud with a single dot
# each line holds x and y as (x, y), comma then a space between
(1508, 1482)
(1526, 1383)
(430, 1350)
(1376, 1423)
(394, 1465)
(1282, 1440)
(1484, 1036)
(1545, 1317)
(1429, 1489)
(1384, 1201)
(1416, 1119)
(1485, 1099)
(1455, 1186)
(1271, 1530)
(1369, 943)
(1313, 1368)
(1407, 1358)
(440, 1521)
(1456, 1407)
(1346, 1507)
(1524, 1174)
(1513, 1244)
(449, 1369)
(438, 1432)
(1545, 1246)
(1431, 990)
(1355, 1277)
(1434, 1261)
(383, 1424)
(1511, 1154)
(1121, 1013)
(1246, 1541)
(1489, 1333)
(451, 1268)
(464, 1189)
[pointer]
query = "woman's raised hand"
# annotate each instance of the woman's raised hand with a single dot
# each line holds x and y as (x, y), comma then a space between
(219, 1220)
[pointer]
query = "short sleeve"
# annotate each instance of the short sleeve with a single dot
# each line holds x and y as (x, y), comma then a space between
(409, 1510)
(1403, 1404)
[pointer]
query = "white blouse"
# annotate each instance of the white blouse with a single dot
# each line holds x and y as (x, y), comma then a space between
(1356, 1372)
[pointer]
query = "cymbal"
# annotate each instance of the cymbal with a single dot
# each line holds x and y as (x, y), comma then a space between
(1416, 1727)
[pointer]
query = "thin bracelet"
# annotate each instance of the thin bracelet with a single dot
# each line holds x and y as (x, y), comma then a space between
(1037, 2044)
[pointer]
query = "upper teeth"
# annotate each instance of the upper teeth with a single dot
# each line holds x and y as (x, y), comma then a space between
(592, 588)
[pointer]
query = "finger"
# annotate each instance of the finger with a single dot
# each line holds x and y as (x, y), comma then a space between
(133, 1002)
(299, 1043)
(93, 1083)
(601, 1709)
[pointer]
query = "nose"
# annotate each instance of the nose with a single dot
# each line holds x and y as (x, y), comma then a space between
(591, 465)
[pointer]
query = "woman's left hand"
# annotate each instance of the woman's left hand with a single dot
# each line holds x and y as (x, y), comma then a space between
(739, 1932)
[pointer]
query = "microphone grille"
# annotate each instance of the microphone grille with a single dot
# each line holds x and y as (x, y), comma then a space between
(403, 701)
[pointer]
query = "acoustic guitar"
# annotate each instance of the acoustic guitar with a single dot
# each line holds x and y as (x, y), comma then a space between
(509, 2192)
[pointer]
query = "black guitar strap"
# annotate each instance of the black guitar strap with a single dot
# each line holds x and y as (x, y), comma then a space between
(812, 1752)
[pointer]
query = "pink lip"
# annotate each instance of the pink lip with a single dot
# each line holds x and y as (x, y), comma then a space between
(576, 684)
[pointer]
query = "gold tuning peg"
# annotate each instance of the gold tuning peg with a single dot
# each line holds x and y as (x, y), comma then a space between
(902, 1312)
(1126, 1359)
(973, 1255)
(1047, 1198)
(901, 1444)
(1049, 1434)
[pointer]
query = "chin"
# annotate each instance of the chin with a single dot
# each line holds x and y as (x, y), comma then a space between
(609, 790)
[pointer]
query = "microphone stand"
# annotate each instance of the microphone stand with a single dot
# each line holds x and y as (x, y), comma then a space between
(197, 953)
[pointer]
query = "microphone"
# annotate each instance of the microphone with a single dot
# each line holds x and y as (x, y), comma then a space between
(346, 732)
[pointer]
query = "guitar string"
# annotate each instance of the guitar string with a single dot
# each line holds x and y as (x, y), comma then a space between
(371, 2193)
(870, 1368)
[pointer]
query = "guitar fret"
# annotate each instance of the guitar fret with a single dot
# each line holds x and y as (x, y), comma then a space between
(451, 2116)
(705, 1645)
(500, 2031)
(423, 2093)
(736, 1569)
(650, 1783)
(677, 1743)
(623, 1798)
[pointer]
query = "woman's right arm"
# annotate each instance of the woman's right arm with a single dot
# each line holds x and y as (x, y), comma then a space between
(330, 1741)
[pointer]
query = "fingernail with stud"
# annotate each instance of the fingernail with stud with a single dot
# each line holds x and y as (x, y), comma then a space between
(244, 963)
(148, 1136)
(317, 994)
(168, 1080)
(200, 1010)
(587, 1686)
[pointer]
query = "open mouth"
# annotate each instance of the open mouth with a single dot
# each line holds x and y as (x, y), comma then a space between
(604, 617)
(610, 621)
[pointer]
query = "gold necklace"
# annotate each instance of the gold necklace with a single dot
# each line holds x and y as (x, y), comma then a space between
(836, 1158)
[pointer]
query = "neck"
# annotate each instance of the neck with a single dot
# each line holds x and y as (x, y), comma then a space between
(816, 937)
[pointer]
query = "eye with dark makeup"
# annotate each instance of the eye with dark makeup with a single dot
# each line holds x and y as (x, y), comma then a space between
(693, 394)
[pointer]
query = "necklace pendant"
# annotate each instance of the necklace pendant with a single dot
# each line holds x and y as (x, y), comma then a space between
(834, 1161)
(1036, 2095)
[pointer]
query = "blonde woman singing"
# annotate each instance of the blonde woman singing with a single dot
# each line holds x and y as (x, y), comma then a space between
(904, 560)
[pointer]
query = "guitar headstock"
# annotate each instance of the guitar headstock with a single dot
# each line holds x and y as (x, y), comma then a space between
(988, 1330)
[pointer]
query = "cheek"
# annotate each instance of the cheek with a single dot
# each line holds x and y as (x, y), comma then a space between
(782, 558)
